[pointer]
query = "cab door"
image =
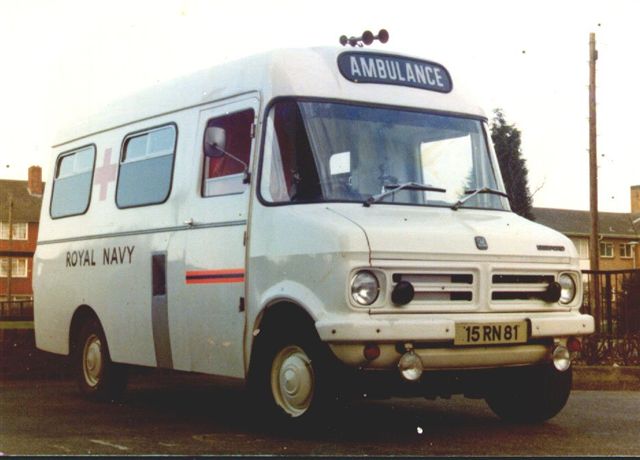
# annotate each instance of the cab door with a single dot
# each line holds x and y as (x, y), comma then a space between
(211, 293)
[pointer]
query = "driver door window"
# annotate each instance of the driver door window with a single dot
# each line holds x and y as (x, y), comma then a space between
(225, 175)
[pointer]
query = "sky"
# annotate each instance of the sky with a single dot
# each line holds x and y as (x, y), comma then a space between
(64, 59)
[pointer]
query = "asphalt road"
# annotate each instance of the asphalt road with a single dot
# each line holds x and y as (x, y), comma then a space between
(189, 416)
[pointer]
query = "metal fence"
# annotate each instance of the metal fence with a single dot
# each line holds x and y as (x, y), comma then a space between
(613, 299)
(16, 310)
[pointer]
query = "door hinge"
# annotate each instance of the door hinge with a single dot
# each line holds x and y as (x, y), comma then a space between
(244, 239)
(241, 306)
(253, 130)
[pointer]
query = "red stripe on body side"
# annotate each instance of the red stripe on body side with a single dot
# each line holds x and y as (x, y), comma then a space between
(215, 281)
(215, 276)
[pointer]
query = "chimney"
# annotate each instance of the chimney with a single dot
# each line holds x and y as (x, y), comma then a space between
(36, 187)
(635, 199)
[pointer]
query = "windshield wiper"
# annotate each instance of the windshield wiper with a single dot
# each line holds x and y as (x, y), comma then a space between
(472, 193)
(393, 188)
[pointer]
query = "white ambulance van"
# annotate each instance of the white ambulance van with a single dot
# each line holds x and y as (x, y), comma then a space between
(316, 223)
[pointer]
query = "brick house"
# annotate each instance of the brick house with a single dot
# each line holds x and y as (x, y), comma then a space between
(20, 202)
(619, 233)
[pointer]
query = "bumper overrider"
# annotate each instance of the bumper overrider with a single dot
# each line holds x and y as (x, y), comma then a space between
(412, 344)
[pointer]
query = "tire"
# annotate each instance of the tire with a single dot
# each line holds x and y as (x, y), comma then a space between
(98, 378)
(530, 395)
(293, 377)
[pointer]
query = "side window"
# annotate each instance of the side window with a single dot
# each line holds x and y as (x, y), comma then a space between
(72, 182)
(224, 175)
(146, 167)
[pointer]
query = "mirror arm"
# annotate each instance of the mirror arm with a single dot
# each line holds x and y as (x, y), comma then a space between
(247, 175)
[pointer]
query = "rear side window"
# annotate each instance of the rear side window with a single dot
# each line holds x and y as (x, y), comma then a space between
(146, 167)
(72, 182)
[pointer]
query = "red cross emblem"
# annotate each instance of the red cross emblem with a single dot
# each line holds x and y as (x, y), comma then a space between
(105, 174)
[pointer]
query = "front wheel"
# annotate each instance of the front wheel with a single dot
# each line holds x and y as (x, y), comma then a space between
(293, 379)
(530, 395)
(98, 377)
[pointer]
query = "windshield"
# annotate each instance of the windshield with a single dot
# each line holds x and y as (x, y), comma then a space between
(325, 151)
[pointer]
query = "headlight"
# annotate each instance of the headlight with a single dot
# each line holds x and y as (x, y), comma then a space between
(568, 291)
(365, 288)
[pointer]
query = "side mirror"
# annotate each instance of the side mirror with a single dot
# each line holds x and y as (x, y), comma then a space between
(215, 139)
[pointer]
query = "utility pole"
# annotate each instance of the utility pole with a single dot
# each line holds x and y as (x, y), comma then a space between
(594, 254)
(9, 258)
(593, 159)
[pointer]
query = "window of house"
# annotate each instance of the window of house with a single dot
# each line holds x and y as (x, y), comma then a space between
(22, 298)
(20, 231)
(606, 249)
(582, 246)
(146, 167)
(225, 175)
(18, 267)
(626, 250)
(72, 182)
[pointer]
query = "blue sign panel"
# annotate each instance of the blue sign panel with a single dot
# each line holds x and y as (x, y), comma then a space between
(387, 69)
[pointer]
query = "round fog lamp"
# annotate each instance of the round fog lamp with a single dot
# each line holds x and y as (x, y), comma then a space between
(365, 288)
(410, 366)
(567, 288)
(561, 358)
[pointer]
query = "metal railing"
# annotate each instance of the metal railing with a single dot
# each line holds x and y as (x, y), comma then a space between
(16, 310)
(613, 299)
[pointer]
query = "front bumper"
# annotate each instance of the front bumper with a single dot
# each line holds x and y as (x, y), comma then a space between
(446, 358)
(431, 338)
(425, 328)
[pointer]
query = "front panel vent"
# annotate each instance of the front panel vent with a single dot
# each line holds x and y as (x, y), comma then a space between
(509, 287)
(439, 287)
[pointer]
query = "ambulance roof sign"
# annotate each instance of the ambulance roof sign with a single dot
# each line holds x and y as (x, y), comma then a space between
(387, 69)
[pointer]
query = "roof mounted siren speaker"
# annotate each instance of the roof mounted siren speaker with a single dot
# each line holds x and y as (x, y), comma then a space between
(367, 38)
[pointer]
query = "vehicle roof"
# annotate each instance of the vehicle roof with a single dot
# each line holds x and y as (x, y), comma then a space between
(311, 72)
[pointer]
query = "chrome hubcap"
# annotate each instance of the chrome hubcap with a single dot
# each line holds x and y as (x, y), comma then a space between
(292, 380)
(92, 360)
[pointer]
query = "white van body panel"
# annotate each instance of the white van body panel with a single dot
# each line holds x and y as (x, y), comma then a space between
(422, 237)
(125, 313)
(300, 72)
(208, 313)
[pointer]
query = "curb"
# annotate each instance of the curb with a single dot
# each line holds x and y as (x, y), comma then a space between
(606, 378)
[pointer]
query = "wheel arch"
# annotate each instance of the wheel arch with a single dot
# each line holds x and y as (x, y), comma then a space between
(81, 315)
(277, 313)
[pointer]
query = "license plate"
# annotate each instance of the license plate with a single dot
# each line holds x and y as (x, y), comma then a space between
(490, 333)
